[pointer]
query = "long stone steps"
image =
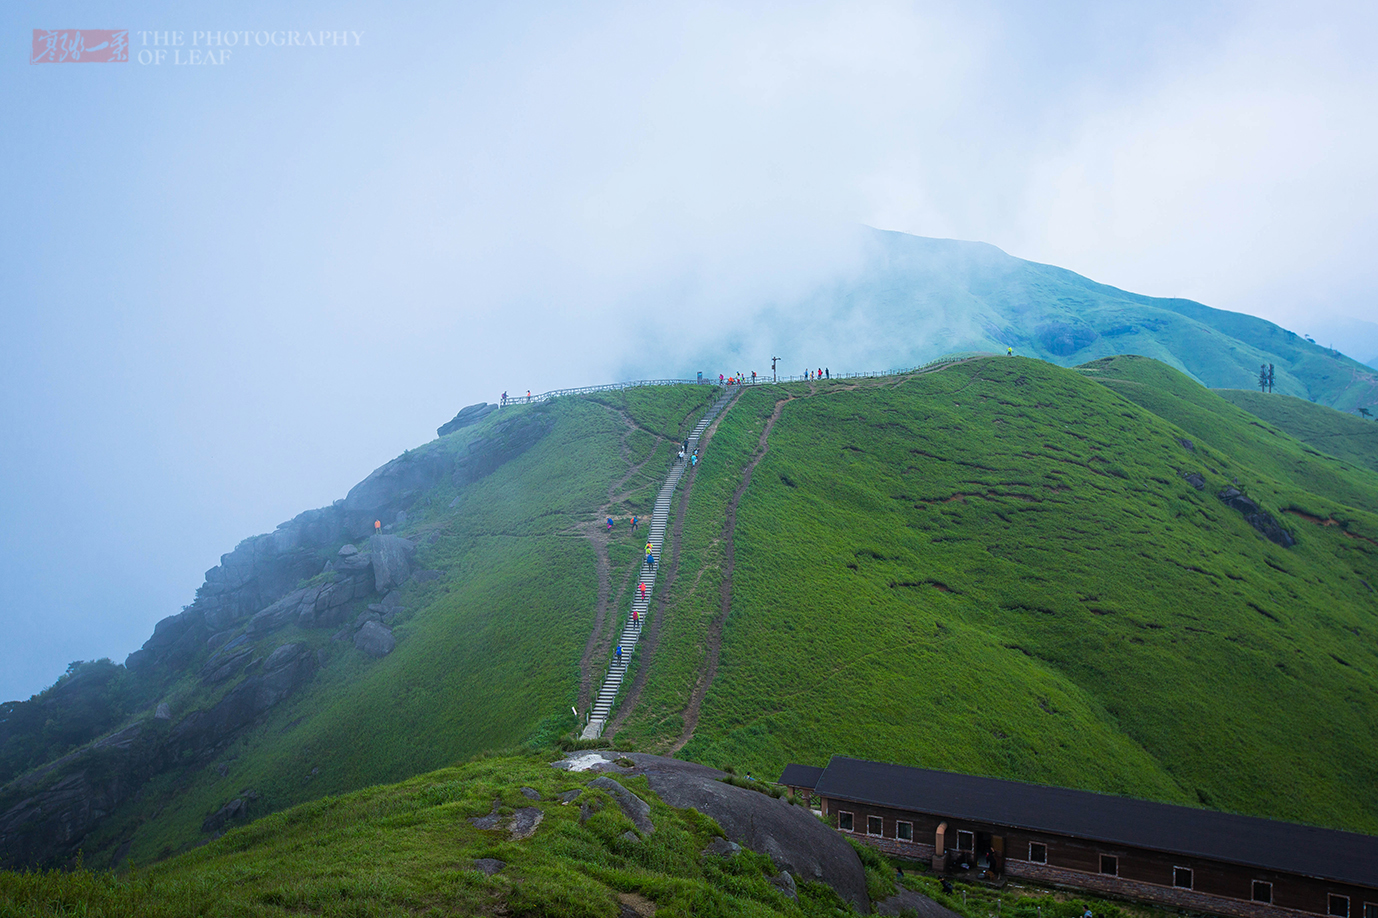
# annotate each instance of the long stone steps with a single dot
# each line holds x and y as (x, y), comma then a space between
(603, 704)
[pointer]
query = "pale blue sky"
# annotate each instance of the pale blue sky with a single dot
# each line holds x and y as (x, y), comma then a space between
(230, 292)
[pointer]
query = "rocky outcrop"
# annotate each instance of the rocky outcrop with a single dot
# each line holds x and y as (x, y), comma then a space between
(467, 416)
(1263, 521)
(254, 590)
(391, 561)
(796, 841)
(285, 669)
(398, 484)
(633, 807)
(375, 640)
(236, 809)
(264, 568)
(45, 815)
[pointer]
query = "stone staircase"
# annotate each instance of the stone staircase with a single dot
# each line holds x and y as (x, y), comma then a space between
(631, 632)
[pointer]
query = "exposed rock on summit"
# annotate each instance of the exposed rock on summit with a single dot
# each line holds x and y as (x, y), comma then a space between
(470, 415)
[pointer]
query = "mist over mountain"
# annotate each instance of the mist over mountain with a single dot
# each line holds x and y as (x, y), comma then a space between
(1354, 337)
(908, 299)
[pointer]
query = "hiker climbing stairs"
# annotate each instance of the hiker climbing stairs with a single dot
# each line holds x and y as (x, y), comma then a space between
(601, 711)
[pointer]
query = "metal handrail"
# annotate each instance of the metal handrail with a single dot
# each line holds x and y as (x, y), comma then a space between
(606, 387)
(763, 381)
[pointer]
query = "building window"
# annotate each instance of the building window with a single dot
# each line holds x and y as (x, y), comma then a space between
(1110, 865)
(966, 841)
(1339, 906)
(1038, 852)
(1371, 910)
(904, 831)
(874, 826)
(1263, 892)
(1181, 877)
(844, 821)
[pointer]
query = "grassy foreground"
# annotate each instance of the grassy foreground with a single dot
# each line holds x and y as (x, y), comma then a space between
(411, 849)
(1001, 569)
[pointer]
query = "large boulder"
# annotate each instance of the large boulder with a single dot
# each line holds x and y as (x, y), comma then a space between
(375, 639)
(467, 416)
(391, 560)
(793, 837)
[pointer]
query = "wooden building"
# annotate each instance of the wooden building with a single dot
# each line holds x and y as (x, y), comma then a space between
(1176, 856)
(800, 780)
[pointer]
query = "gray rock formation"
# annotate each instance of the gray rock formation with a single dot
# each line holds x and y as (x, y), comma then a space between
(287, 668)
(1263, 521)
(375, 640)
(489, 865)
(785, 884)
(721, 847)
(524, 822)
(492, 821)
(793, 838)
(467, 416)
(636, 809)
(238, 808)
(47, 812)
(391, 561)
(396, 485)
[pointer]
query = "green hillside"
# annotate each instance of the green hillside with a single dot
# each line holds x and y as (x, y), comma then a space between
(1346, 436)
(911, 299)
(1001, 569)
(1267, 450)
(488, 653)
(412, 849)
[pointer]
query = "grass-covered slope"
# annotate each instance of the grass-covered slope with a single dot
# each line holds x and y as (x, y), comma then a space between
(410, 849)
(1266, 449)
(488, 653)
(1338, 433)
(1000, 569)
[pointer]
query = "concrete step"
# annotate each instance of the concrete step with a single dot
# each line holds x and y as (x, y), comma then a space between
(606, 698)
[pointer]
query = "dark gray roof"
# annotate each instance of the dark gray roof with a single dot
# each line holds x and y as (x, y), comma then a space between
(800, 775)
(1281, 846)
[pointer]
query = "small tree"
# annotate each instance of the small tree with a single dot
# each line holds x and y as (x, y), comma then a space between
(1365, 412)
(1270, 377)
(1263, 377)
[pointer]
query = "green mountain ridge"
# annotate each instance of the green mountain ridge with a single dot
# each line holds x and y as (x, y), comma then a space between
(1337, 433)
(914, 298)
(1002, 567)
